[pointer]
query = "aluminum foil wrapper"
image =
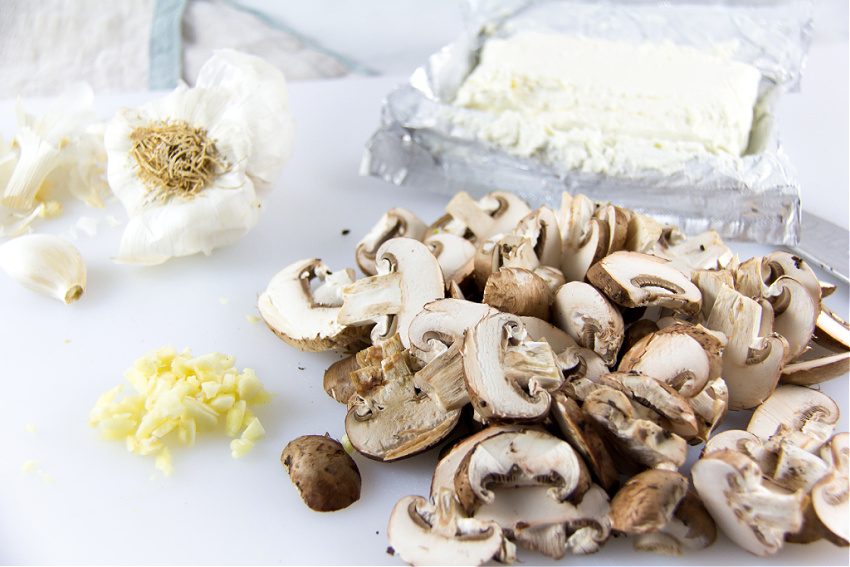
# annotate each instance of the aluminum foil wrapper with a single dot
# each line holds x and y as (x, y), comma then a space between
(755, 197)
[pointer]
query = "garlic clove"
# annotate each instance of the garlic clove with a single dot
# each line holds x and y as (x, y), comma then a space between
(45, 263)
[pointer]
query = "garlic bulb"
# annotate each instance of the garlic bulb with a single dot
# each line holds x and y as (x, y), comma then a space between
(192, 168)
(42, 144)
(45, 263)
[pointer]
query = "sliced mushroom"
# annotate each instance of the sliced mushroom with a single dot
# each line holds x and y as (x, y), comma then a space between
(540, 330)
(394, 223)
(304, 318)
(395, 419)
(749, 512)
(830, 494)
(831, 331)
(704, 251)
(540, 227)
(441, 323)
(507, 376)
(616, 220)
(811, 371)
(439, 533)
(752, 358)
(510, 459)
(710, 282)
(682, 355)
(655, 400)
(337, 379)
(642, 442)
(805, 416)
(642, 234)
(408, 276)
(583, 237)
(581, 432)
(502, 251)
(455, 255)
(795, 314)
(498, 212)
(518, 291)
(582, 369)
(632, 279)
(589, 318)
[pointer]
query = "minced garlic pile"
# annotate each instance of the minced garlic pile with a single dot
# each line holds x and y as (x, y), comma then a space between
(178, 396)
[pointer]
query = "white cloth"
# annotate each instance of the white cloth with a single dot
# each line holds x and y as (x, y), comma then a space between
(134, 45)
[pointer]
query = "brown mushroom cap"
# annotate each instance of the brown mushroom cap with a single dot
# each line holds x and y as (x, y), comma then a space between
(327, 478)
(518, 291)
(589, 318)
(647, 501)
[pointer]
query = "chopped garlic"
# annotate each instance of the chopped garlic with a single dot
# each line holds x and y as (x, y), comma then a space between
(180, 395)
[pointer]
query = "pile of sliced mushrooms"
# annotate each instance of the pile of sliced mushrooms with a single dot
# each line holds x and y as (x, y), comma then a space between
(567, 359)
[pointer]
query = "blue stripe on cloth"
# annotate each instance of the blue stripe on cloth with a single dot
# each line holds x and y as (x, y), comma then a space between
(166, 45)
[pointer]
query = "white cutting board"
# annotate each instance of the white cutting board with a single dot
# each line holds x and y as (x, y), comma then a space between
(85, 501)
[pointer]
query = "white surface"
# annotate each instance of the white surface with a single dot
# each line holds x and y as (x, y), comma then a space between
(102, 505)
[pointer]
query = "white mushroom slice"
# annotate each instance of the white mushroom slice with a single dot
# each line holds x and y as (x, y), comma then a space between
(805, 416)
(632, 279)
(705, 251)
(301, 319)
(518, 291)
(781, 263)
(510, 459)
(642, 441)
(439, 533)
(710, 282)
(831, 331)
(813, 371)
(582, 369)
(793, 468)
(795, 314)
(498, 212)
(395, 419)
(752, 515)
(666, 406)
(583, 238)
(647, 501)
(682, 355)
(642, 234)
(408, 276)
(710, 408)
(540, 228)
(752, 358)
(446, 469)
(441, 323)
(589, 318)
(617, 221)
(553, 277)
(735, 440)
(394, 223)
(454, 254)
(533, 519)
(581, 432)
(507, 376)
(508, 251)
(830, 494)
(540, 330)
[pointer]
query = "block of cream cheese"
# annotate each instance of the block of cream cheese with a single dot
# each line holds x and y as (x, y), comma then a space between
(606, 107)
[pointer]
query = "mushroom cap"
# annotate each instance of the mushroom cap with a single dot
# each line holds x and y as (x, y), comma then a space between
(632, 279)
(805, 416)
(498, 212)
(454, 253)
(647, 501)
(288, 308)
(795, 314)
(518, 291)
(438, 533)
(589, 318)
(442, 322)
(540, 227)
(327, 478)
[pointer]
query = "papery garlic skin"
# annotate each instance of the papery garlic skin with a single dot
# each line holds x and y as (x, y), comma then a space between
(47, 264)
(239, 107)
(41, 143)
